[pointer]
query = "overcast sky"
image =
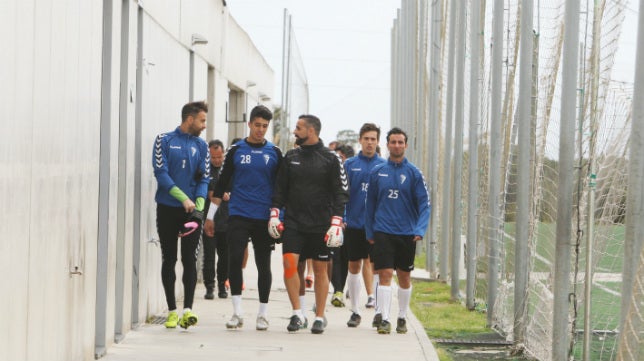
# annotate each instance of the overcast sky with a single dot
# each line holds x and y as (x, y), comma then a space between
(345, 47)
(625, 57)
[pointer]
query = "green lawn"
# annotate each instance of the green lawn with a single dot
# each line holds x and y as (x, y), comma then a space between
(609, 240)
(443, 318)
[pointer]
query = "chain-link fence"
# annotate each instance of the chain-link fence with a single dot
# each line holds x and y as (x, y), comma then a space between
(481, 88)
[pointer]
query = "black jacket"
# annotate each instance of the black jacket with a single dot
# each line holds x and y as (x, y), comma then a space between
(221, 217)
(312, 187)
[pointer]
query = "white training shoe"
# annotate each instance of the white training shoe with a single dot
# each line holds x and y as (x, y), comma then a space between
(235, 322)
(262, 323)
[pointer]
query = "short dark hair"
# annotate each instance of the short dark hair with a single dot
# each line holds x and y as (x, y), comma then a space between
(396, 130)
(215, 143)
(346, 149)
(260, 111)
(192, 109)
(370, 127)
(312, 121)
(235, 140)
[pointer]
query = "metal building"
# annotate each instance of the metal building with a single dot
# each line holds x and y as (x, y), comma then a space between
(85, 87)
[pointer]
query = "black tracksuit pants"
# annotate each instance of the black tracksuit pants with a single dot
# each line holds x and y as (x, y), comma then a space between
(169, 222)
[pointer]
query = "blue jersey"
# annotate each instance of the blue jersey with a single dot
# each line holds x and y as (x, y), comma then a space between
(397, 200)
(248, 173)
(358, 169)
(182, 160)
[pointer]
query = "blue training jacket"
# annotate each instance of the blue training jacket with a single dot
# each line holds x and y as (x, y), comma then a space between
(397, 200)
(249, 173)
(358, 169)
(182, 160)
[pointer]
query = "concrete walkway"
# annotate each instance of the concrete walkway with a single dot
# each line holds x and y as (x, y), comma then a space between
(210, 340)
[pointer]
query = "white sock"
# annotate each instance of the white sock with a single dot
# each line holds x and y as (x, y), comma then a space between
(377, 308)
(263, 307)
(302, 302)
(237, 305)
(404, 295)
(353, 281)
(299, 314)
(384, 301)
(376, 283)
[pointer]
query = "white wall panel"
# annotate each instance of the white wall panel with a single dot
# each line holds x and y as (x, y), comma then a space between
(166, 13)
(203, 17)
(16, 151)
(50, 83)
(200, 80)
(165, 91)
(63, 187)
(220, 129)
(244, 63)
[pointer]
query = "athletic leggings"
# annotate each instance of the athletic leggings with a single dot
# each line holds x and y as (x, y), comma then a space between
(240, 230)
(211, 245)
(340, 268)
(169, 222)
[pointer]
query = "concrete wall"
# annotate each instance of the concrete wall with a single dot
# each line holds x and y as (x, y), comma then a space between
(80, 257)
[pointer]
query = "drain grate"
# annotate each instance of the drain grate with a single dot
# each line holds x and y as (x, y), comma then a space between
(489, 342)
(156, 320)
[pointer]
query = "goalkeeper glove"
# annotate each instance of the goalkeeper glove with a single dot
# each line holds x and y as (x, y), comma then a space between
(275, 226)
(193, 223)
(334, 236)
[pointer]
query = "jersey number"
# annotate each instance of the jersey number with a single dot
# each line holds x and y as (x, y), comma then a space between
(393, 194)
(245, 159)
(364, 186)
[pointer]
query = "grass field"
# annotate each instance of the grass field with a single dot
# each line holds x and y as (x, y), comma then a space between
(609, 241)
(432, 302)
(445, 319)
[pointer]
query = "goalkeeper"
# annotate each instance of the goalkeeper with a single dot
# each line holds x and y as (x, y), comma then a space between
(397, 212)
(181, 164)
(312, 187)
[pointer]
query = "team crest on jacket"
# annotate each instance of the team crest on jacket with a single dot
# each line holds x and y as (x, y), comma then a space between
(402, 178)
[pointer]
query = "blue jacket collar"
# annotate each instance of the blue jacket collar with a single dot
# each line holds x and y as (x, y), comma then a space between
(364, 157)
(395, 164)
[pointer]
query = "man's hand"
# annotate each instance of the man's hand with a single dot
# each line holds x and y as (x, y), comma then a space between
(418, 238)
(188, 205)
(334, 236)
(275, 226)
(209, 228)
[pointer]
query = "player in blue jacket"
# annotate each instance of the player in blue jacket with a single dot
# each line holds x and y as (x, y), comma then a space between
(355, 240)
(397, 216)
(181, 163)
(249, 173)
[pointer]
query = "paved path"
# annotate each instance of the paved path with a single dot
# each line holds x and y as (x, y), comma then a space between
(210, 340)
